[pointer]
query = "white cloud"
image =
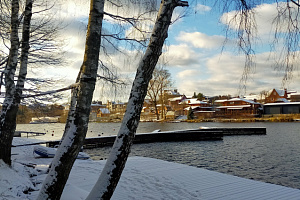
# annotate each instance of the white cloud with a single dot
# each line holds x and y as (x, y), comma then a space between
(180, 55)
(224, 73)
(202, 8)
(188, 73)
(201, 40)
(265, 22)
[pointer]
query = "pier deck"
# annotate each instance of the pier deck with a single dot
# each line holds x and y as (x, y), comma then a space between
(148, 178)
(202, 134)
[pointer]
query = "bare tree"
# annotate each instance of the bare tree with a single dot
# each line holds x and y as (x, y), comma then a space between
(161, 80)
(44, 41)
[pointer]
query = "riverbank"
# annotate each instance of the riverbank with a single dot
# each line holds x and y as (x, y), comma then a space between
(268, 118)
(143, 178)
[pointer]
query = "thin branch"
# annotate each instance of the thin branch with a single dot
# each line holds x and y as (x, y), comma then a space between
(297, 4)
(52, 91)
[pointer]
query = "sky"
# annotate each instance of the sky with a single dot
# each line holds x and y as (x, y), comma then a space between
(195, 52)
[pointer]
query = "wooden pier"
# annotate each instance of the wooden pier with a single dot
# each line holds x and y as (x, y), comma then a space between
(28, 133)
(238, 130)
(201, 134)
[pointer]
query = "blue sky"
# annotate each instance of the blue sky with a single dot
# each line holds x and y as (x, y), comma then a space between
(194, 53)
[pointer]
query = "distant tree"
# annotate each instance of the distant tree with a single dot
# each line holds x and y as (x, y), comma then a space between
(263, 94)
(190, 114)
(200, 96)
(161, 80)
(194, 96)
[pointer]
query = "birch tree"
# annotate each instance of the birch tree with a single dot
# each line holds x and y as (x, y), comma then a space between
(114, 166)
(14, 91)
(77, 124)
(161, 80)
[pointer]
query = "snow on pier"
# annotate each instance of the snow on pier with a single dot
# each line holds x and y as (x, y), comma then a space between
(148, 178)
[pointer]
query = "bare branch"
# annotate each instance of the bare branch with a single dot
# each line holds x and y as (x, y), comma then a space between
(296, 3)
(52, 91)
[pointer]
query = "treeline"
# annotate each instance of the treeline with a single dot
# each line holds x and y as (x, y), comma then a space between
(26, 113)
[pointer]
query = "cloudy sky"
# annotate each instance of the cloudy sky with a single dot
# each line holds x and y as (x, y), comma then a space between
(196, 53)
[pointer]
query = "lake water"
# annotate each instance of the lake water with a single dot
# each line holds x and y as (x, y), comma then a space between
(272, 158)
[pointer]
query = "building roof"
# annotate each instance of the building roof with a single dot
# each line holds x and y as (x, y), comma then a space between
(281, 104)
(238, 99)
(220, 100)
(234, 107)
(282, 100)
(280, 92)
(196, 101)
(104, 110)
(175, 99)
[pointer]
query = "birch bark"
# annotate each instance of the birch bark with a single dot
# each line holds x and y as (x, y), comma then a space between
(13, 93)
(77, 123)
(114, 166)
(6, 135)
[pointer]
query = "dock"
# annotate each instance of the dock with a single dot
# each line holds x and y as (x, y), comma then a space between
(201, 134)
(234, 131)
(28, 133)
(148, 178)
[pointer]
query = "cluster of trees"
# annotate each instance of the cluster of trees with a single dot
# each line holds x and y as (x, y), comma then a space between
(161, 81)
(18, 23)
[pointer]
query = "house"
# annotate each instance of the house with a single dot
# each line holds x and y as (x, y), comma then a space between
(294, 97)
(116, 107)
(103, 113)
(175, 104)
(147, 106)
(276, 96)
(94, 110)
(196, 105)
(237, 107)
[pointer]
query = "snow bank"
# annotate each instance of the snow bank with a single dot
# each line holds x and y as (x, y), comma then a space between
(14, 181)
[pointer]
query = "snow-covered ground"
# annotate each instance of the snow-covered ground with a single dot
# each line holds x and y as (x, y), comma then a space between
(143, 178)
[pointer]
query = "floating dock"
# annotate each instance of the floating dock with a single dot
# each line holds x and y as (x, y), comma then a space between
(201, 134)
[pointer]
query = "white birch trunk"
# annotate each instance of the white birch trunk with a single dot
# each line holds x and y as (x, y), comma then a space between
(114, 166)
(24, 50)
(6, 135)
(78, 118)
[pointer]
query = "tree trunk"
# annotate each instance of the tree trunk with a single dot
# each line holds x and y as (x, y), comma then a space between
(112, 171)
(156, 111)
(7, 120)
(77, 123)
